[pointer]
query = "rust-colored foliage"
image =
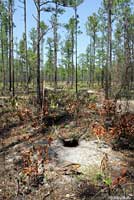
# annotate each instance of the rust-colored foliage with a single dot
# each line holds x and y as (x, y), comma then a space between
(108, 109)
(35, 158)
(45, 109)
(24, 114)
(92, 106)
(127, 123)
(98, 130)
(124, 125)
(71, 108)
(120, 180)
(124, 172)
(50, 139)
(109, 106)
(30, 171)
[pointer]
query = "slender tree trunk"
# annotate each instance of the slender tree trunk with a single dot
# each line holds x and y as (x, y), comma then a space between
(76, 70)
(132, 59)
(109, 53)
(90, 71)
(10, 49)
(72, 54)
(12, 56)
(25, 39)
(55, 45)
(102, 63)
(102, 78)
(127, 53)
(88, 66)
(110, 48)
(11, 67)
(3, 58)
(38, 54)
(68, 66)
(94, 42)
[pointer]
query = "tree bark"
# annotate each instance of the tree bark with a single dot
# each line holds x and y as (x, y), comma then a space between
(109, 52)
(72, 54)
(11, 67)
(55, 45)
(38, 54)
(25, 40)
(76, 70)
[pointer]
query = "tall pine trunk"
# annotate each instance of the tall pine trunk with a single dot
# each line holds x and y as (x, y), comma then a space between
(72, 54)
(38, 54)
(11, 67)
(109, 53)
(25, 41)
(55, 45)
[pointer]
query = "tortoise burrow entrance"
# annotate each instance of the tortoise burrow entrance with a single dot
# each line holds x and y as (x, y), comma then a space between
(70, 142)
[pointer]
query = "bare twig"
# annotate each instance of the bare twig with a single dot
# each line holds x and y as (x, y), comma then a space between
(44, 33)
(34, 17)
(99, 192)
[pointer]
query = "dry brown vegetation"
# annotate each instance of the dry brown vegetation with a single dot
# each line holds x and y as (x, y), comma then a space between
(30, 168)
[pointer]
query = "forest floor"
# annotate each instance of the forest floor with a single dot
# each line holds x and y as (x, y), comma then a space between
(65, 150)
